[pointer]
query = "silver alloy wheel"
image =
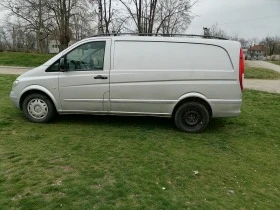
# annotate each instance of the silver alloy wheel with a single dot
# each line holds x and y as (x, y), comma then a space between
(37, 108)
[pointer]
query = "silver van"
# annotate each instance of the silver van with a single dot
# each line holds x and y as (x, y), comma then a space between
(189, 79)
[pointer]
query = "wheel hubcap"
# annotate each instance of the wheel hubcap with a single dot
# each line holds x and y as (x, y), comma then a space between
(191, 117)
(37, 108)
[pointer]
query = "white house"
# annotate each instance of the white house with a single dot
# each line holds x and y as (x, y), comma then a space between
(53, 46)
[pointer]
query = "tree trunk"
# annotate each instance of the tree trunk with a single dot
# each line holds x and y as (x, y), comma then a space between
(64, 36)
(140, 17)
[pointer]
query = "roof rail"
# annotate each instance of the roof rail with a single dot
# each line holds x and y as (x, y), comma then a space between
(160, 35)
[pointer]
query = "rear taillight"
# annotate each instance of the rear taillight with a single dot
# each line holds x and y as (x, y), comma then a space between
(241, 69)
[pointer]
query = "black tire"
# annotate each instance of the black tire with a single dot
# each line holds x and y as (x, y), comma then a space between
(38, 108)
(192, 117)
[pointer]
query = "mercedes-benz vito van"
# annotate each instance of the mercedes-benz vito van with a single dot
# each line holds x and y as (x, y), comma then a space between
(189, 79)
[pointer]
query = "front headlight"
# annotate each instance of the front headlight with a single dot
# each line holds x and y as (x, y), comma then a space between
(15, 83)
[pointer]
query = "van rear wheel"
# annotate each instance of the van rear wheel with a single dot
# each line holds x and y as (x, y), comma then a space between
(192, 117)
(38, 108)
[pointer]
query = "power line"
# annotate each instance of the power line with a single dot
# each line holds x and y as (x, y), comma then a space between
(244, 21)
(249, 20)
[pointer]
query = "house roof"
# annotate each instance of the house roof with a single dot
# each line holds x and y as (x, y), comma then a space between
(257, 48)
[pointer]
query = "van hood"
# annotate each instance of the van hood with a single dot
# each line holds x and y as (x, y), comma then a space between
(33, 72)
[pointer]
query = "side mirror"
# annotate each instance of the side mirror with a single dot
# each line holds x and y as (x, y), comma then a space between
(62, 65)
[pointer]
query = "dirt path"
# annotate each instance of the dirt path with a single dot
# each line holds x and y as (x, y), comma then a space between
(271, 86)
(263, 64)
(13, 69)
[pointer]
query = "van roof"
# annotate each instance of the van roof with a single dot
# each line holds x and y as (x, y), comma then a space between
(161, 35)
(163, 38)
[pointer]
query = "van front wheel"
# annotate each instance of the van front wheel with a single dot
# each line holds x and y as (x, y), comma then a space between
(38, 108)
(192, 117)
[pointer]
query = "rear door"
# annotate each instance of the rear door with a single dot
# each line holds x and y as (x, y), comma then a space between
(84, 87)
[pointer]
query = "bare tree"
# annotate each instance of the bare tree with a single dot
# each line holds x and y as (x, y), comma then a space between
(4, 39)
(110, 19)
(270, 44)
(17, 38)
(61, 20)
(32, 14)
(244, 42)
(62, 10)
(214, 30)
(277, 50)
(83, 24)
(67, 13)
(174, 16)
(142, 13)
(105, 13)
(66, 20)
(154, 16)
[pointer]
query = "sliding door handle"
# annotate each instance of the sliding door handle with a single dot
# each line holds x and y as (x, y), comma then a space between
(100, 77)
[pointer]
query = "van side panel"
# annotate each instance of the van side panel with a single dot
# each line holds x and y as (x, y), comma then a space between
(170, 56)
(150, 77)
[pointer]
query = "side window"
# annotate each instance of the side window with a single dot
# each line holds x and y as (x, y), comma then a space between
(86, 57)
(54, 67)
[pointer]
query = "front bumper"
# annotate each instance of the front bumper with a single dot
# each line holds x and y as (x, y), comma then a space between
(15, 99)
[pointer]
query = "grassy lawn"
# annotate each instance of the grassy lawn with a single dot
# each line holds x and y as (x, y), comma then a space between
(97, 162)
(275, 62)
(260, 73)
(23, 59)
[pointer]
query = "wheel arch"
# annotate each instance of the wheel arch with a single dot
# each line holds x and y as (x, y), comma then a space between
(40, 90)
(193, 97)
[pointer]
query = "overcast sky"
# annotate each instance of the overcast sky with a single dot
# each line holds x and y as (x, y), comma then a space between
(245, 18)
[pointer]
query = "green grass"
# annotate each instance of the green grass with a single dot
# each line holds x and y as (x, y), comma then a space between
(98, 162)
(260, 73)
(275, 62)
(23, 59)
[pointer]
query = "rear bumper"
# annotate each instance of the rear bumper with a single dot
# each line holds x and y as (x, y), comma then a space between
(15, 99)
(226, 108)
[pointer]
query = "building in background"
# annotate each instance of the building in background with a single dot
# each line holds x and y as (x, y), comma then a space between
(53, 46)
(256, 52)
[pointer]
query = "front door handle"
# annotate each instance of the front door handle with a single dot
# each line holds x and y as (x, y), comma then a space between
(100, 77)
